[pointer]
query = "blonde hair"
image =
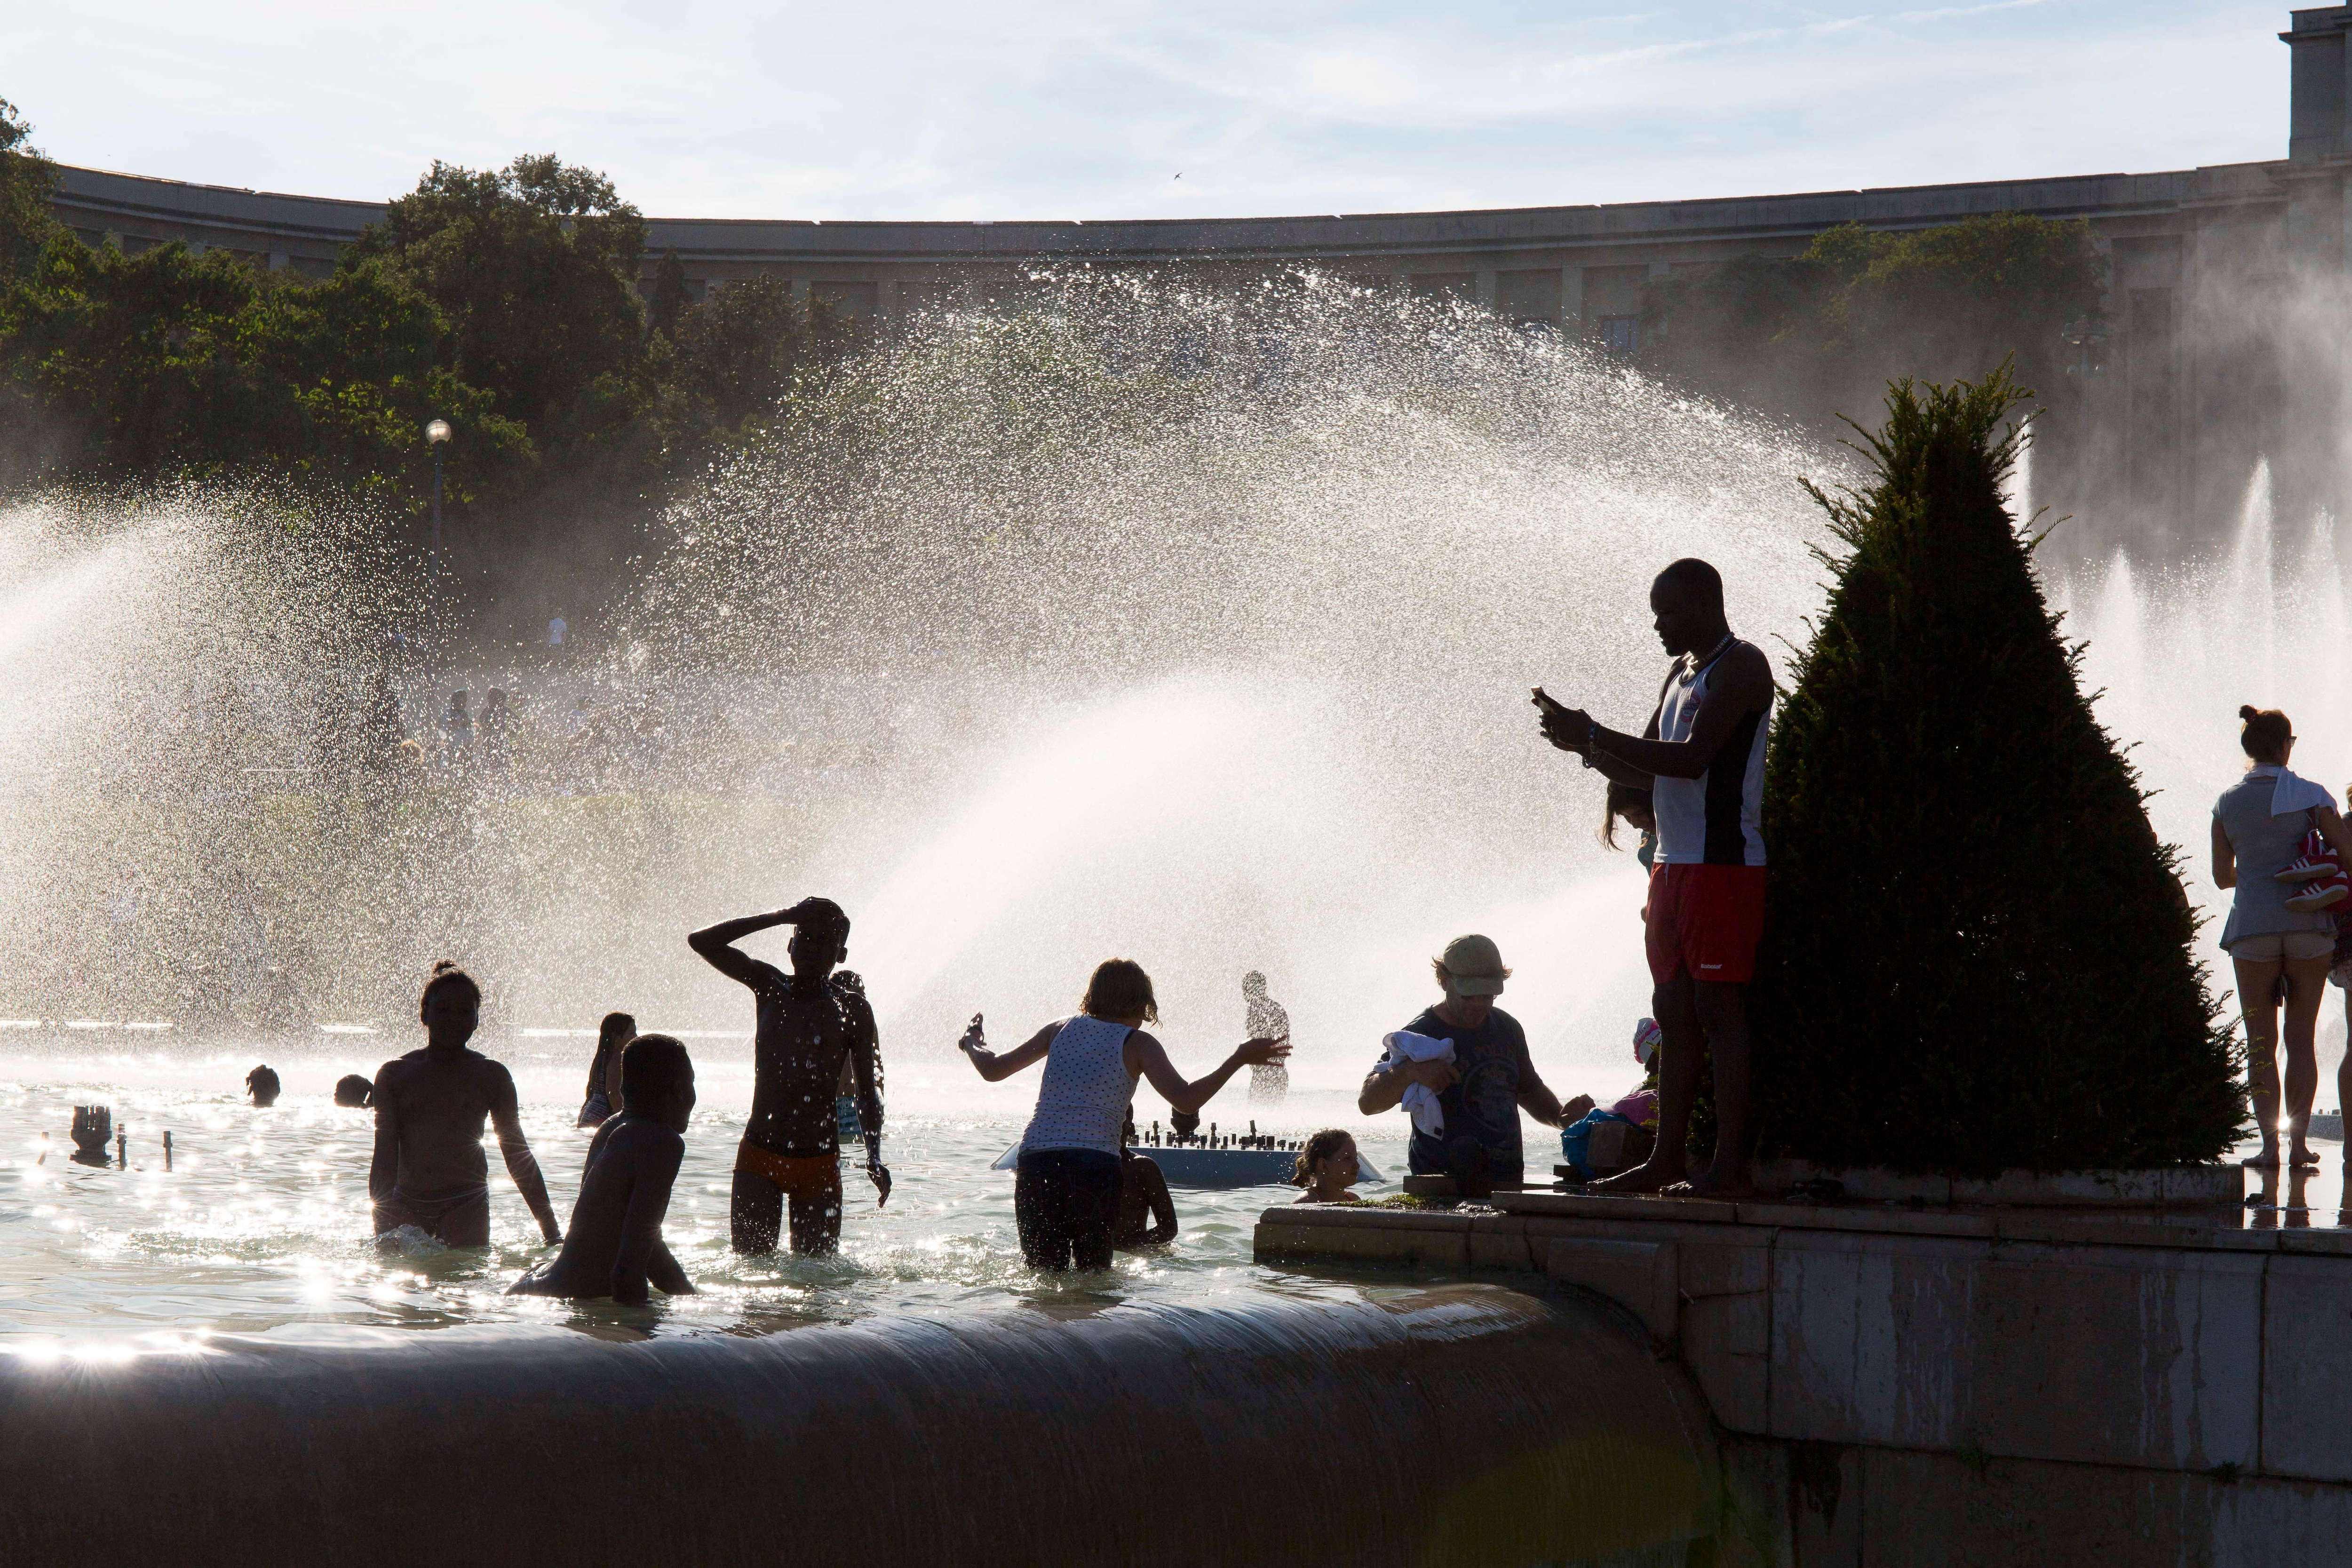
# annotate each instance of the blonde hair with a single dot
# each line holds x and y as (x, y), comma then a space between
(1323, 1145)
(1119, 989)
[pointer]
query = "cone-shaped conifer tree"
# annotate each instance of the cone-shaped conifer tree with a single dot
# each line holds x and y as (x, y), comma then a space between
(1978, 955)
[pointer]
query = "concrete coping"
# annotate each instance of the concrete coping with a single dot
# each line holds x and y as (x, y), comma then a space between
(2217, 1231)
(2164, 1186)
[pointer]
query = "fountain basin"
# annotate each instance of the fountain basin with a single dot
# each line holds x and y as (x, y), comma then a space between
(1465, 1425)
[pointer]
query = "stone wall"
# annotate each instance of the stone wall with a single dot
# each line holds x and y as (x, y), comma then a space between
(2119, 1387)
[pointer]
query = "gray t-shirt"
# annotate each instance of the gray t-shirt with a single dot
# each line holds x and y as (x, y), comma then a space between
(2263, 845)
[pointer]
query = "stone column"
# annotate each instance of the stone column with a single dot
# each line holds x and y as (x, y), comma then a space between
(2318, 157)
(1571, 300)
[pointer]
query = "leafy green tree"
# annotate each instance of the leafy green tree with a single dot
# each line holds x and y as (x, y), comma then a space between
(27, 181)
(534, 270)
(738, 351)
(668, 302)
(1979, 957)
(1824, 332)
(169, 363)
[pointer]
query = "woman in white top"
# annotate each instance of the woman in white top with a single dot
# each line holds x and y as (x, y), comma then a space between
(2259, 826)
(1065, 1193)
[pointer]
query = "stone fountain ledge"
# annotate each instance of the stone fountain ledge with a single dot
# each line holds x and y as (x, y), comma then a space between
(2098, 1383)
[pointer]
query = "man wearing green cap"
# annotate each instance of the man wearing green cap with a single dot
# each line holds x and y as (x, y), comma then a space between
(1482, 1090)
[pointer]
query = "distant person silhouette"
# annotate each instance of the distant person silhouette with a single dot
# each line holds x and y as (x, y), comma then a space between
(494, 726)
(261, 1083)
(380, 732)
(430, 1106)
(457, 728)
(352, 1091)
(1264, 1017)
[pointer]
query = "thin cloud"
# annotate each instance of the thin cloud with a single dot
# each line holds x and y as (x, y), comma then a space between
(1007, 108)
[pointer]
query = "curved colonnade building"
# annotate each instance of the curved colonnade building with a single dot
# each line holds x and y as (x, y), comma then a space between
(2211, 360)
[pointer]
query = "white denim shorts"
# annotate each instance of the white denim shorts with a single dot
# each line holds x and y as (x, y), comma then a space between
(2274, 945)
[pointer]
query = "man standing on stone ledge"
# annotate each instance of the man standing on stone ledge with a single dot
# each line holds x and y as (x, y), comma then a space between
(1702, 758)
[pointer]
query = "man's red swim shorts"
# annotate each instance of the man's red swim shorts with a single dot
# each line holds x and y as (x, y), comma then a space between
(1705, 919)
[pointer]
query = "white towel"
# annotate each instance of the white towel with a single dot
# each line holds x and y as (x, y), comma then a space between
(2294, 793)
(1420, 1100)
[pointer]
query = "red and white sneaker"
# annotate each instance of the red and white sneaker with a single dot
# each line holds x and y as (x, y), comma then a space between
(2317, 864)
(2321, 893)
(2324, 886)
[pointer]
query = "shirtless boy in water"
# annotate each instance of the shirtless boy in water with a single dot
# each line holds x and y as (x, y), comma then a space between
(615, 1246)
(430, 1105)
(809, 1022)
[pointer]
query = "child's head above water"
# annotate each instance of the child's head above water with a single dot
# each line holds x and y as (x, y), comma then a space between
(657, 1081)
(1328, 1161)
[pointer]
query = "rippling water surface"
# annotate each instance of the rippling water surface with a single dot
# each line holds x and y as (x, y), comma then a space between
(261, 1225)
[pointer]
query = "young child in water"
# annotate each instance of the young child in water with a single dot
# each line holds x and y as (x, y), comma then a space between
(1328, 1167)
(614, 1243)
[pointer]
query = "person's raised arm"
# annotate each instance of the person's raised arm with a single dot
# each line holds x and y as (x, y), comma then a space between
(2225, 856)
(1744, 686)
(1147, 1057)
(715, 943)
(383, 1170)
(653, 1168)
(1572, 730)
(996, 1068)
(1163, 1207)
(521, 1164)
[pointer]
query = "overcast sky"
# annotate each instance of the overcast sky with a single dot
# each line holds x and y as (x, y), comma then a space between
(1001, 109)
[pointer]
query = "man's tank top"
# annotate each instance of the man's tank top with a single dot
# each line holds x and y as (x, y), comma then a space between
(1082, 1103)
(1712, 819)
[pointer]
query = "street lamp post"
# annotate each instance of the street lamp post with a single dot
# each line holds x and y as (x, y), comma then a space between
(437, 436)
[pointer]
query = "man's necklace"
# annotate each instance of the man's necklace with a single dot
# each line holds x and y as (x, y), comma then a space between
(1691, 670)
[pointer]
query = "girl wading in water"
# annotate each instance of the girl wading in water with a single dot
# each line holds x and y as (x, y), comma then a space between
(613, 1037)
(1065, 1192)
(2259, 826)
